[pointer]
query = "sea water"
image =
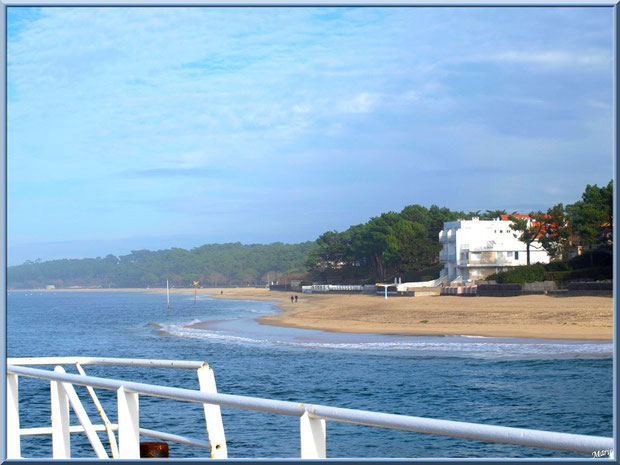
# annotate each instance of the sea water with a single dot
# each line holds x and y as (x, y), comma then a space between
(563, 386)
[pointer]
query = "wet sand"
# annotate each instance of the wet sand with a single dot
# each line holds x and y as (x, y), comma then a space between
(535, 316)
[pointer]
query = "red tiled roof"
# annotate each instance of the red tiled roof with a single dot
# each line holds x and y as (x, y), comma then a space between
(516, 215)
(543, 229)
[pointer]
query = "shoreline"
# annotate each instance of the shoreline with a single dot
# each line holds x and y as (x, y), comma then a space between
(532, 316)
(352, 323)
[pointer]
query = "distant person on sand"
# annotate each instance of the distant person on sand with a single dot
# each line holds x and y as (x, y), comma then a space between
(295, 299)
(221, 292)
(292, 299)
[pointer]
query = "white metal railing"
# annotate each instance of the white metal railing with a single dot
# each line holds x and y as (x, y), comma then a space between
(63, 394)
(312, 417)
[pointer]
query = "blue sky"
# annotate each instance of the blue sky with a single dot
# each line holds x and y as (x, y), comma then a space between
(134, 128)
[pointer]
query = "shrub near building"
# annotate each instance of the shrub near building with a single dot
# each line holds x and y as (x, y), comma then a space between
(520, 275)
(577, 268)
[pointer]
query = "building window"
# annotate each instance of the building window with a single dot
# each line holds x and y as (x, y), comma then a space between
(509, 254)
(516, 255)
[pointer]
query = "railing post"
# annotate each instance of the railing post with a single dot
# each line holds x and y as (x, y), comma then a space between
(78, 408)
(312, 434)
(13, 442)
(213, 414)
(128, 425)
(61, 445)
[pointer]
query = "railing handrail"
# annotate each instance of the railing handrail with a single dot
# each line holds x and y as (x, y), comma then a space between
(491, 433)
(136, 362)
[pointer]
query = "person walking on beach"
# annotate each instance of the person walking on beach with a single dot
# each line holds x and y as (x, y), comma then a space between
(295, 299)
(292, 299)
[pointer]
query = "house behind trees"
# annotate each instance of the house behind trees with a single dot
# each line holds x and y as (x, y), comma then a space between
(474, 249)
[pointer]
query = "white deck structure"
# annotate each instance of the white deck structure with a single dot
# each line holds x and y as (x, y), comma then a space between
(124, 434)
(474, 249)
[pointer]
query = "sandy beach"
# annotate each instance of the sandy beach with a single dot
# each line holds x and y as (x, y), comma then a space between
(535, 316)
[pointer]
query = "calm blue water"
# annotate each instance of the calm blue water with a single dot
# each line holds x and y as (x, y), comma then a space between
(559, 386)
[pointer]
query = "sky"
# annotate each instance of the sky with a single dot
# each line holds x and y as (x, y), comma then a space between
(151, 128)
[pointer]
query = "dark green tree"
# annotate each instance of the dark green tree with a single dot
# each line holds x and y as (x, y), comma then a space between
(591, 218)
(556, 233)
(527, 229)
(492, 214)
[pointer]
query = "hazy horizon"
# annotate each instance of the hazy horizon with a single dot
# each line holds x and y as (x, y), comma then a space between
(86, 249)
(152, 128)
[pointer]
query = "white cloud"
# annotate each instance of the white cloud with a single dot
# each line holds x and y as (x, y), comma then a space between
(189, 160)
(363, 102)
(302, 108)
(582, 59)
(411, 96)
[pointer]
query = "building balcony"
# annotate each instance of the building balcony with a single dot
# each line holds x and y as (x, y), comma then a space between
(488, 263)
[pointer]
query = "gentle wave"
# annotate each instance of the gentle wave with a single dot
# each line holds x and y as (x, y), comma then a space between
(488, 349)
(202, 334)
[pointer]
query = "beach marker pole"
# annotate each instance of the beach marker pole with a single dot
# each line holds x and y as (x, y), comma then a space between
(167, 294)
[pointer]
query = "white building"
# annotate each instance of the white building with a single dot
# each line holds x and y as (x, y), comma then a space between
(474, 249)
